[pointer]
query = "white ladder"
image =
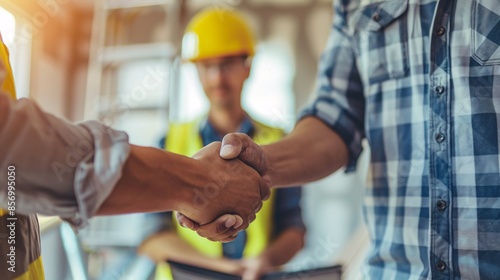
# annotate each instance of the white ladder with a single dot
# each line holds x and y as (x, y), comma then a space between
(106, 52)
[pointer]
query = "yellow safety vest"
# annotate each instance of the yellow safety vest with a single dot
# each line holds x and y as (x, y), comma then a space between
(8, 83)
(28, 260)
(185, 139)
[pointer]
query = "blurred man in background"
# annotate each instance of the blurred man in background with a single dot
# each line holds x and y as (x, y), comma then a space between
(221, 45)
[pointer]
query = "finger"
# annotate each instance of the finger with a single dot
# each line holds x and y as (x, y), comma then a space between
(229, 239)
(218, 227)
(228, 235)
(225, 239)
(258, 207)
(207, 150)
(251, 217)
(186, 222)
(239, 222)
(265, 189)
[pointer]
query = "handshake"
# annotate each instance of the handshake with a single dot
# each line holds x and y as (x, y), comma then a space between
(232, 181)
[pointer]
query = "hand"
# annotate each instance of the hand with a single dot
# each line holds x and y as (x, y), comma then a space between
(234, 145)
(229, 186)
(241, 146)
(254, 268)
(156, 247)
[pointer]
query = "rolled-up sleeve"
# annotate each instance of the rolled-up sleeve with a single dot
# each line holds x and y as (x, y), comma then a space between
(339, 100)
(287, 209)
(61, 168)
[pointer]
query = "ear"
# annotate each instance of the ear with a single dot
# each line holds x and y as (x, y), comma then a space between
(248, 66)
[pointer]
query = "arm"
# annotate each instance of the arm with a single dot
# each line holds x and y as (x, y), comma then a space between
(329, 134)
(289, 231)
(284, 247)
(148, 175)
(168, 245)
(199, 187)
(278, 253)
(312, 151)
(78, 171)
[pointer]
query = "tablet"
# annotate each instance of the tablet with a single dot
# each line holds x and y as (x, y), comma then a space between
(181, 271)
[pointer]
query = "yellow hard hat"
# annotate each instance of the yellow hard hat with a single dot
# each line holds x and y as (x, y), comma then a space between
(216, 33)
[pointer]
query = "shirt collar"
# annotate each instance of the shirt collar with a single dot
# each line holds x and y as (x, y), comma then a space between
(209, 134)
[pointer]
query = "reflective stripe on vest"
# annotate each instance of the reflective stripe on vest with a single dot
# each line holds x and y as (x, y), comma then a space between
(185, 139)
(28, 260)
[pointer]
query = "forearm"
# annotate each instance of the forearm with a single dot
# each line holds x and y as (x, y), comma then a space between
(284, 247)
(311, 152)
(168, 245)
(200, 187)
(76, 171)
(152, 181)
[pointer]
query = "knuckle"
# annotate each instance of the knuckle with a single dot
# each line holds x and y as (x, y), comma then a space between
(221, 228)
(251, 217)
(244, 226)
(202, 233)
(228, 239)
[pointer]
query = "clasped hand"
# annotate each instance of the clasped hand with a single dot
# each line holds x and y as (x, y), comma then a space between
(241, 169)
(233, 192)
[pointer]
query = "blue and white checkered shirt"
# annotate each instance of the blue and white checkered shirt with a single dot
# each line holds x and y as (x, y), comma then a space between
(420, 79)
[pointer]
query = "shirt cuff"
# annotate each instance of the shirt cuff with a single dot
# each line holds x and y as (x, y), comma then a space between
(98, 173)
(342, 124)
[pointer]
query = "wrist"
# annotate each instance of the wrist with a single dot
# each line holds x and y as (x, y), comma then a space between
(176, 175)
(271, 173)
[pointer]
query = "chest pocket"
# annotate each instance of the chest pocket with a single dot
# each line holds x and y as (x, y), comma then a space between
(380, 39)
(485, 37)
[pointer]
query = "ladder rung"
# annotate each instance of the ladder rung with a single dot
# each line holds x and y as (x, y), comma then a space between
(117, 54)
(125, 4)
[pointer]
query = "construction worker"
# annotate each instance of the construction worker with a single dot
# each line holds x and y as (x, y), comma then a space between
(52, 167)
(221, 45)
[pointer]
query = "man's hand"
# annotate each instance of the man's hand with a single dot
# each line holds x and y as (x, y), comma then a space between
(234, 145)
(241, 146)
(254, 268)
(232, 188)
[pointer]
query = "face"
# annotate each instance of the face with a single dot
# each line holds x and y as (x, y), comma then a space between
(223, 79)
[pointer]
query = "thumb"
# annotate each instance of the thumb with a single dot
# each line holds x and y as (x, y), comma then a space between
(241, 146)
(232, 145)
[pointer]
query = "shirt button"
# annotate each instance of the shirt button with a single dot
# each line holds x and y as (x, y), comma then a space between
(439, 89)
(441, 266)
(440, 137)
(441, 205)
(441, 30)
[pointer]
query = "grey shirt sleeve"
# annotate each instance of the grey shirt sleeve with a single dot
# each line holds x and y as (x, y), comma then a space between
(61, 168)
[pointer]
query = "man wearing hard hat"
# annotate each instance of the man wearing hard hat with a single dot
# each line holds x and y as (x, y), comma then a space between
(221, 45)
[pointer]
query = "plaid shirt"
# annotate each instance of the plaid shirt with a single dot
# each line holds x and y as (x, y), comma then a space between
(420, 80)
